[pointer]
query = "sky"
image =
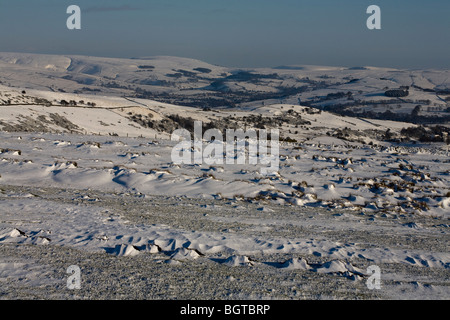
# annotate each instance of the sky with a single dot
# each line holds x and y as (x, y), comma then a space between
(236, 33)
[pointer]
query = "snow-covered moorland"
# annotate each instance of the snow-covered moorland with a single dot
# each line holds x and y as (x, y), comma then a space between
(142, 228)
(93, 184)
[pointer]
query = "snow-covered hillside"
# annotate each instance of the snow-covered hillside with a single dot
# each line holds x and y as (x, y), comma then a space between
(182, 81)
(35, 110)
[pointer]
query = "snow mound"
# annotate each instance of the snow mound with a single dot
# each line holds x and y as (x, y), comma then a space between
(330, 267)
(17, 233)
(334, 266)
(125, 250)
(41, 240)
(236, 261)
(341, 267)
(412, 225)
(186, 254)
(153, 248)
(296, 263)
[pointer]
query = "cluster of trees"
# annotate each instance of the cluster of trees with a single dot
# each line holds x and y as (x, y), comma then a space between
(414, 117)
(339, 95)
(397, 93)
(203, 70)
(68, 103)
(72, 103)
(143, 120)
(427, 134)
(146, 67)
(42, 101)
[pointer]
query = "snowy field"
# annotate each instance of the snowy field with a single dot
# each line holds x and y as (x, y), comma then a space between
(141, 227)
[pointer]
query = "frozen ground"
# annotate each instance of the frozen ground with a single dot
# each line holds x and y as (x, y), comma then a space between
(140, 227)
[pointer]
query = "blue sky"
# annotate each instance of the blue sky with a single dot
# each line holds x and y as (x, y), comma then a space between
(236, 33)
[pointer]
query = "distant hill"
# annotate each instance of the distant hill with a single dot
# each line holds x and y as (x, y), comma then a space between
(357, 91)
